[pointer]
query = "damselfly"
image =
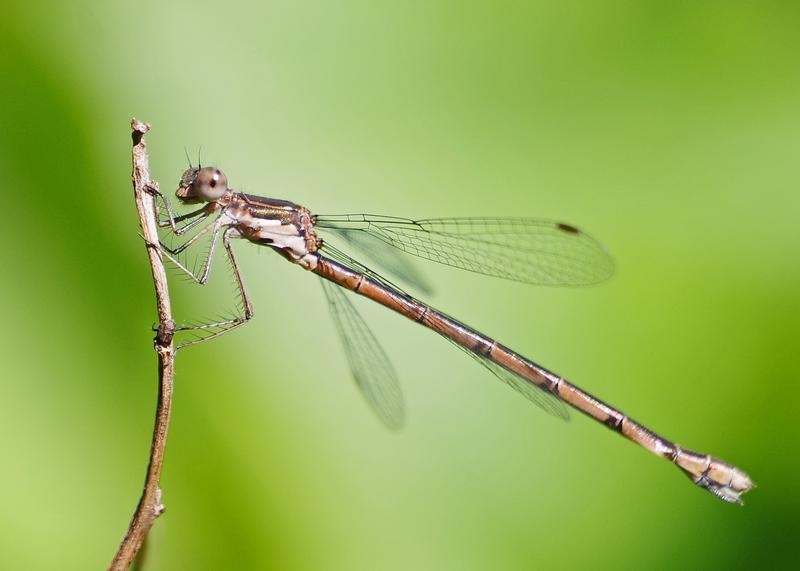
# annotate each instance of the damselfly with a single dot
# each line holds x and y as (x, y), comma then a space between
(526, 250)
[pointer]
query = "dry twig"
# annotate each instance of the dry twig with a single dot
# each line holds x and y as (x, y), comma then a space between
(150, 506)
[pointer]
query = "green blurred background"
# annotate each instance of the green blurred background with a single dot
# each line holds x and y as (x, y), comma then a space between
(668, 130)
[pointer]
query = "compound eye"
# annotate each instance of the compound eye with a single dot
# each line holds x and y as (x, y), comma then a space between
(210, 184)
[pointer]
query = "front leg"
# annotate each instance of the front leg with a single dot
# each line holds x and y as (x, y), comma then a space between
(172, 220)
(177, 250)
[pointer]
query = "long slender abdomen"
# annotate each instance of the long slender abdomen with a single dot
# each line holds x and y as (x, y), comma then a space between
(720, 478)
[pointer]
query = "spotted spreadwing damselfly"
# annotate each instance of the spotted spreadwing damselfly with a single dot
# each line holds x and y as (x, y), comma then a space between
(526, 250)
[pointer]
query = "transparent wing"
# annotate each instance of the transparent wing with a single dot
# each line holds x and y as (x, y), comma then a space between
(386, 256)
(329, 250)
(373, 372)
(545, 400)
(521, 249)
(540, 397)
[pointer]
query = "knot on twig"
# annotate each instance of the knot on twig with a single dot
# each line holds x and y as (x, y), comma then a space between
(158, 507)
(164, 333)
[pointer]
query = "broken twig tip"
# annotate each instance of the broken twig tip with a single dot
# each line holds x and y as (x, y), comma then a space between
(139, 126)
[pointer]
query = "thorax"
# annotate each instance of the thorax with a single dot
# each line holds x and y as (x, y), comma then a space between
(283, 225)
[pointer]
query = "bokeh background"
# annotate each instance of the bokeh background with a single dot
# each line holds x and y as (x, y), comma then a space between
(668, 130)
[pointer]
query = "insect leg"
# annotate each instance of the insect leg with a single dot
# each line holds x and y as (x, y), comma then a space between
(221, 327)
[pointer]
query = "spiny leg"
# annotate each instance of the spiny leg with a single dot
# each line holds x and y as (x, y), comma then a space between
(170, 254)
(224, 325)
(202, 279)
(230, 234)
(229, 324)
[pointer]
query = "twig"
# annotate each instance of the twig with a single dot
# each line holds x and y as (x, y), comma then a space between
(150, 506)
